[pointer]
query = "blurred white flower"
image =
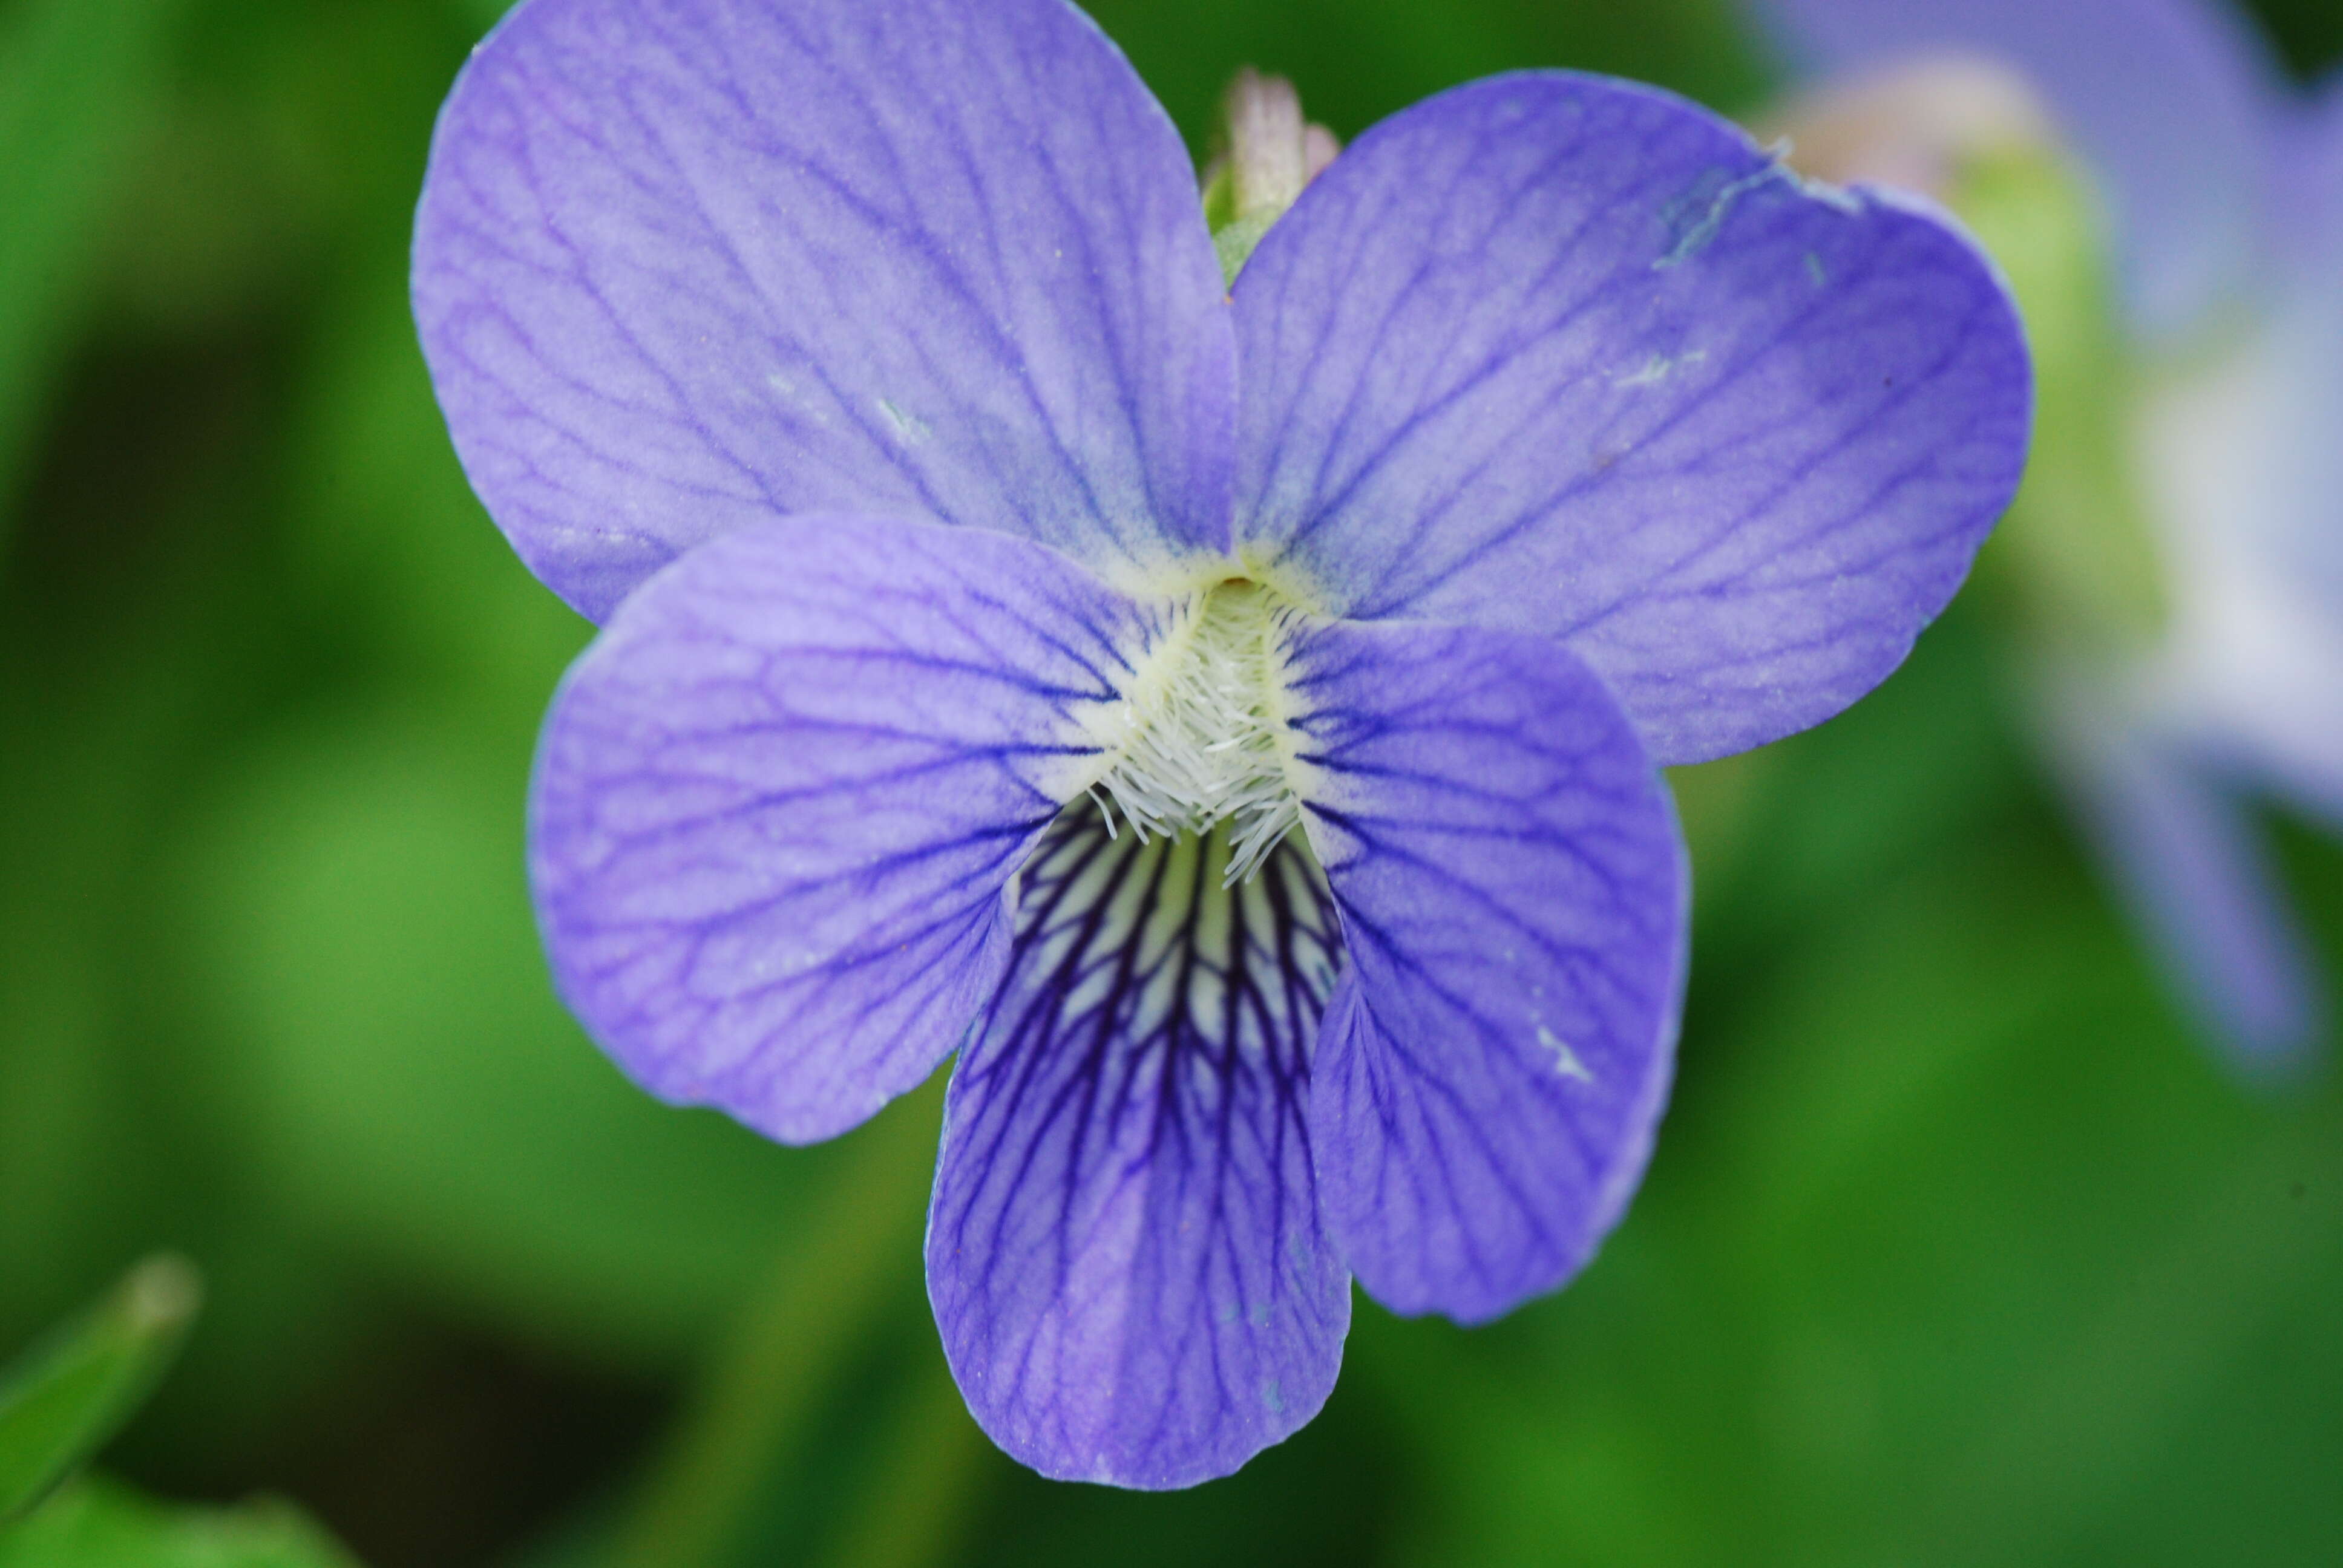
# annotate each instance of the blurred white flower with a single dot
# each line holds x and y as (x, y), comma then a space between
(2184, 581)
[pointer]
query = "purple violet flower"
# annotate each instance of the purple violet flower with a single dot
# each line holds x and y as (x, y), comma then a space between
(2223, 186)
(1227, 717)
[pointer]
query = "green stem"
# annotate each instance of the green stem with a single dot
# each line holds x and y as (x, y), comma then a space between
(914, 1499)
(765, 1382)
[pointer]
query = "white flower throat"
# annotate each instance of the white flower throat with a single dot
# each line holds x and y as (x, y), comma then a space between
(1200, 737)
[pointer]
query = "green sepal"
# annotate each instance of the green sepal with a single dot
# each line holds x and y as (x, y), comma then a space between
(1234, 232)
(2078, 549)
(77, 79)
(62, 1402)
(101, 1524)
(1233, 243)
(1220, 196)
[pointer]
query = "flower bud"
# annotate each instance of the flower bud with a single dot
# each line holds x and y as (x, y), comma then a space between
(1268, 154)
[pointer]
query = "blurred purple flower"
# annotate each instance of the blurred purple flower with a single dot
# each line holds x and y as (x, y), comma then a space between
(1226, 718)
(2224, 189)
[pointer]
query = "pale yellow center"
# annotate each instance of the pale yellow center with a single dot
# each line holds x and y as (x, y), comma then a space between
(1200, 737)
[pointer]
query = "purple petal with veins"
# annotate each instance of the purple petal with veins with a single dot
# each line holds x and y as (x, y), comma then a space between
(866, 363)
(683, 265)
(779, 799)
(1572, 356)
(1514, 900)
(1124, 1252)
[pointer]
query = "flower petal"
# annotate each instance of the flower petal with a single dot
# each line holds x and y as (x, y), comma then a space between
(2171, 101)
(1124, 1252)
(1513, 899)
(777, 801)
(2242, 456)
(1573, 356)
(2305, 318)
(2185, 857)
(681, 264)
(2310, 185)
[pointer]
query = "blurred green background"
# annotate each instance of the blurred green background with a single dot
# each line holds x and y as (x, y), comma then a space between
(1959, 1248)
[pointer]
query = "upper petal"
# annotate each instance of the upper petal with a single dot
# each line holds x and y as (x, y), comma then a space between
(1573, 356)
(1514, 900)
(777, 801)
(682, 264)
(1124, 1252)
(2171, 101)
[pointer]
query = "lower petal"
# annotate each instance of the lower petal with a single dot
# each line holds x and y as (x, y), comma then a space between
(776, 802)
(1514, 900)
(1124, 1252)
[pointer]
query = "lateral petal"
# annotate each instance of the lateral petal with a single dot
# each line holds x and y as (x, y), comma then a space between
(1514, 897)
(681, 264)
(1569, 356)
(776, 802)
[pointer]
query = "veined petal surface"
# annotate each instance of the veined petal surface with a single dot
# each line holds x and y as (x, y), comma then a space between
(2172, 102)
(1573, 356)
(685, 264)
(1514, 898)
(777, 803)
(1124, 1252)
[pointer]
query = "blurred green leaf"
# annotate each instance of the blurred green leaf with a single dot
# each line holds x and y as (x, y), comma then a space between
(1357, 61)
(386, 530)
(484, 14)
(915, 1497)
(62, 1113)
(402, 1074)
(1535, 1471)
(753, 1411)
(2004, 1233)
(75, 76)
(89, 736)
(1786, 834)
(60, 1405)
(104, 1524)
(1956, 1250)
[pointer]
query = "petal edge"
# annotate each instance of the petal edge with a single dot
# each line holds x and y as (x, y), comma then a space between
(777, 801)
(1514, 904)
(679, 265)
(1558, 355)
(1124, 1249)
